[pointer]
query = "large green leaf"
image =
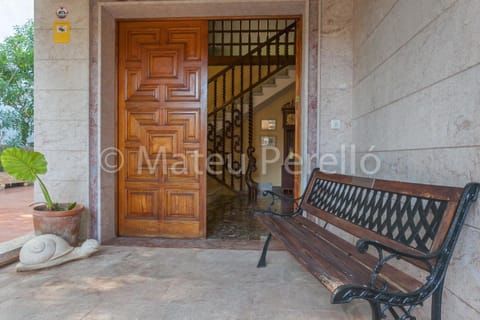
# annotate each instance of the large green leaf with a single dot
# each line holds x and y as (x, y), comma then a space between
(23, 164)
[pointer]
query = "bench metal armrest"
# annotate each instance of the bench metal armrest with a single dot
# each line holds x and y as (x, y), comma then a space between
(364, 244)
(406, 301)
(279, 197)
(392, 253)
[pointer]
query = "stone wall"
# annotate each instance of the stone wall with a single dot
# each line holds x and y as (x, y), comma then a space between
(336, 81)
(61, 102)
(416, 91)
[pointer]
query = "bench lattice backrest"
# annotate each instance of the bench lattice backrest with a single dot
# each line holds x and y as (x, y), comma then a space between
(405, 215)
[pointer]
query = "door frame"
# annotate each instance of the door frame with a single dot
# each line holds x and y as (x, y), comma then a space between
(103, 93)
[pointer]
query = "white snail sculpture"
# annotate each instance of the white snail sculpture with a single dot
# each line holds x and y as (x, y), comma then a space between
(49, 250)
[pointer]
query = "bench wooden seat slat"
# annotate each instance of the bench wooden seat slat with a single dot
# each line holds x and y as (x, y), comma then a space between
(336, 261)
(416, 223)
(401, 280)
(316, 254)
(306, 260)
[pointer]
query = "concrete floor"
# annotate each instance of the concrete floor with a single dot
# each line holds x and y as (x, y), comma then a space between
(155, 283)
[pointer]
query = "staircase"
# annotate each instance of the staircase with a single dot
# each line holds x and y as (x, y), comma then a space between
(267, 91)
(235, 93)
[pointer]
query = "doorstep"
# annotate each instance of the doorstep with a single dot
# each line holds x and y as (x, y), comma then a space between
(226, 244)
(9, 250)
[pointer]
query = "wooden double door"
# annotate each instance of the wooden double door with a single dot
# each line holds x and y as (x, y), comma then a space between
(162, 92)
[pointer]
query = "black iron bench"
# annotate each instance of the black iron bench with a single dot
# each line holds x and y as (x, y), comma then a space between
(403, 228)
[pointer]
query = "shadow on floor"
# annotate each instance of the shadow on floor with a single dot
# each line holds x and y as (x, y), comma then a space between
(125, 283)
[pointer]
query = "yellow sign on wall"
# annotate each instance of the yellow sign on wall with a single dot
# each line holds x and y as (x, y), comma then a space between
(61, 31)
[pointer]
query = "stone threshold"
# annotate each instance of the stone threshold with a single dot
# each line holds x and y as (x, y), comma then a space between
(9, 250)
(227, 244)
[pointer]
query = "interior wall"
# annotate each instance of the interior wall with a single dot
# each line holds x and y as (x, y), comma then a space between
(416, 100)
(268, 170)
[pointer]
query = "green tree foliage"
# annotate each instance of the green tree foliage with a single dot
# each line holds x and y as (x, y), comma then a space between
(16, 83)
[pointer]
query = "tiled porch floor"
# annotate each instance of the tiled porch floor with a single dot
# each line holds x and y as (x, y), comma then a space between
(228, 217)
(229, 214)
(15, 213)
(156, 283)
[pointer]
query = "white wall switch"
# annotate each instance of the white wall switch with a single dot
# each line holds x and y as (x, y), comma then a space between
(335, 124)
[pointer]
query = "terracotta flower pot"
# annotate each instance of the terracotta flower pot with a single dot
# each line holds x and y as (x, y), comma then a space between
(65, 224)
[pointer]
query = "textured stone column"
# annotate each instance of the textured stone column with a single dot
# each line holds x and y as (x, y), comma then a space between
(61, 102)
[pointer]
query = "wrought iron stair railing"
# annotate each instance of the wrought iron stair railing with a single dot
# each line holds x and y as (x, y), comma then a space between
(231, 158)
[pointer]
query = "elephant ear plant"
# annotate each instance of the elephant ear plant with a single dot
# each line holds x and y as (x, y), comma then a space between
(26, 165)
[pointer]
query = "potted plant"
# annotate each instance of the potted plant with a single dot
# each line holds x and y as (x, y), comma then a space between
(62, 219)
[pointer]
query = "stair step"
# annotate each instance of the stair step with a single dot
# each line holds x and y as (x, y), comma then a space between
(262, 93)
(269, 85)
(270, 81)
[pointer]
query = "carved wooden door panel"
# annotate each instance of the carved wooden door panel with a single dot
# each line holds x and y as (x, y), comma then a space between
(162, 78)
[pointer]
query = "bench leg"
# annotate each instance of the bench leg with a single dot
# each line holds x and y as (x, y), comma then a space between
(437, 303)
(262, 263)
(376, 312)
